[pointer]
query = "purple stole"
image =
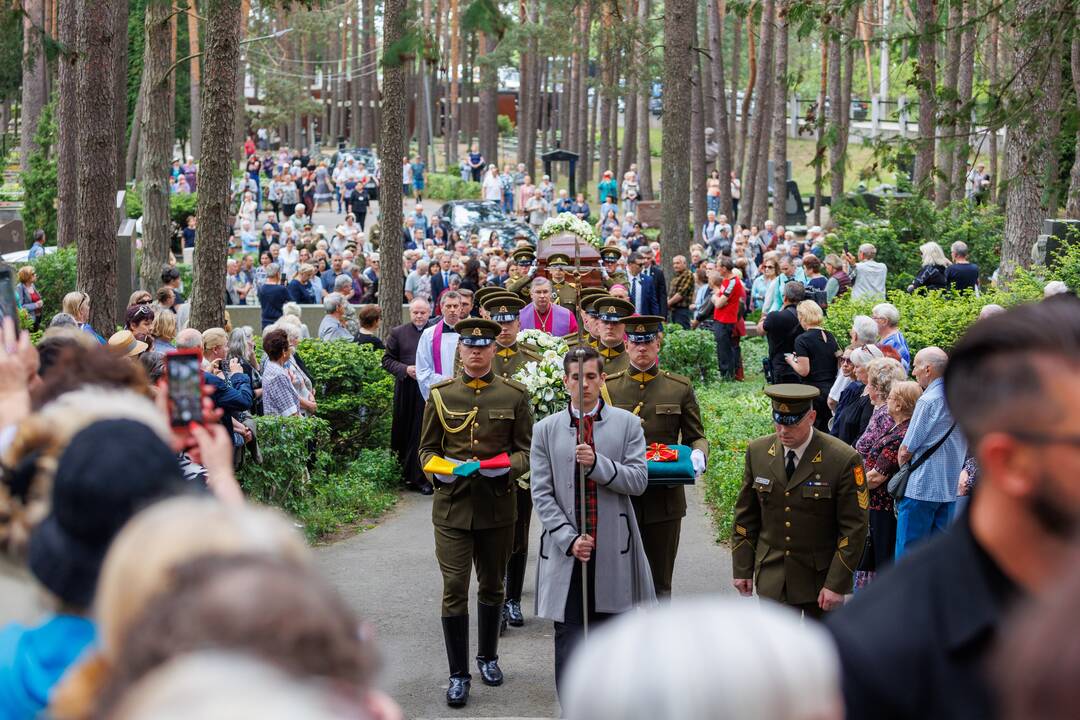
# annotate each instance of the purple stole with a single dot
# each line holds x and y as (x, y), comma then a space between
(560, 319)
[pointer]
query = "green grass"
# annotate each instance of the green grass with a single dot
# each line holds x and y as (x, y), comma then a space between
(733, 413)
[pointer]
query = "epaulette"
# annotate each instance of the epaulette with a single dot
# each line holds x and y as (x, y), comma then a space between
(529, 353)
(616, 376)
(441, 383)
(514, 384)
(677, 378)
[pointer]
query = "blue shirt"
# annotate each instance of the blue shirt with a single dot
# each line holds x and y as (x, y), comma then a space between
(36, 251)
(897, 342)
(936, 479)
(33, 659)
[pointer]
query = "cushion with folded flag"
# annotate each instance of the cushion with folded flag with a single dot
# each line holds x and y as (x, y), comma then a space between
(669, 464)
(499, 462)
(466, 469)
(440, 466)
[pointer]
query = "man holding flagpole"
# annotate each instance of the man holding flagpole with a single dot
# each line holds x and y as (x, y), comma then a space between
(605, 447)
(474, 444)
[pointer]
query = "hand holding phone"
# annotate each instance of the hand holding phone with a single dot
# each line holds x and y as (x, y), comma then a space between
(183, 371)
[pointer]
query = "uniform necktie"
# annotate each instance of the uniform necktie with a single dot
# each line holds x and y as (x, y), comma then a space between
(789, 468)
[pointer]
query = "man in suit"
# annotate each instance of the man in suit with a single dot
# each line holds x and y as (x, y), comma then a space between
(801, 514)
(654, 272)
(475, 415)
(601, 539)
(441, 280)
(669, 414)
(642, 290)
(399, 360)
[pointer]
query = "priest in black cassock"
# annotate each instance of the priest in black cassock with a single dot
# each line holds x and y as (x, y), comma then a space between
(399, 360)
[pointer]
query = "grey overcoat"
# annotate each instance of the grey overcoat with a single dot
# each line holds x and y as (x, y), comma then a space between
(623, 578)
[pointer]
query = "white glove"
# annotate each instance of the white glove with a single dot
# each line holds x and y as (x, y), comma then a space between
(532, 270)
(697, 459)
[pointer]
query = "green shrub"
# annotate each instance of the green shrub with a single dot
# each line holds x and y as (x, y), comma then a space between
(353, 392)
(689, 352)
(39, 180)
(290, 461)
(506, 126)
(365, 489)
(934, 318)
(56, 277)
(180, 206)
(441, 186)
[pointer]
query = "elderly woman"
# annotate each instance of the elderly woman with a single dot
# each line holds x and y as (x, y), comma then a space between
(814, 359)
(298, 372)
(77, 305)
(28, 296)
(881, 463)
(300, 288)
(242, 347)
(854, 409)
(887, 318)
(369, 316)
(769, 271)
(931, 275)
(164, 332)
(280, 395)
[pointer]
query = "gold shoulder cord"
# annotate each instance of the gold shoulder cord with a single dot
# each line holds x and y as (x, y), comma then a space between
(441, 411)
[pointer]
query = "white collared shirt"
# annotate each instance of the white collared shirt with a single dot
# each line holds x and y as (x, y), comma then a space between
(799, 451)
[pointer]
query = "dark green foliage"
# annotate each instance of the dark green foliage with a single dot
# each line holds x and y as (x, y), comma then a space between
(56, 278)
(689, 352)
(39, 180)
(364, 489)
(180, 206)
(506, 126)
(353, 391)
(439, 186)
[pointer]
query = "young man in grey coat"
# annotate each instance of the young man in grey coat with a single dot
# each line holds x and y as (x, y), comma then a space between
(612, 453)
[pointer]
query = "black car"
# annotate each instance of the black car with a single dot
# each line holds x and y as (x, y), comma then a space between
(468, 216)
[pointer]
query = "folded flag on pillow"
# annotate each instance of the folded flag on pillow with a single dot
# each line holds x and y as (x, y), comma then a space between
(466, 469)
(440, 466)
(669, 464)
(499, 462)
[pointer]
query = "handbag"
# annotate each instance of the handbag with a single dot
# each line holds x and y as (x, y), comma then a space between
(897, 486)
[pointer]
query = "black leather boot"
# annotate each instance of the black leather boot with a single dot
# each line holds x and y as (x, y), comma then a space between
(515, 579)
(487, 658)
(456, 638)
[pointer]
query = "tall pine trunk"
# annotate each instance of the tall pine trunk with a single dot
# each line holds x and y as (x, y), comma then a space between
(948, 90)
(157, 132)
(195, 82)
(926, 72)
(369, 82)
(964, 83)
(1072, 206)
(67, 127)
(698, 173)
(836, 104)
(223, 18)
(758, 161)
(780, 93)
(744, 118)
(641, 125)
(819, 126)
(715, 12)
(120, 81)
(455, 82)
(96, 104)
(679, 40)
(392, 146)
(35, 73)
(489, 95)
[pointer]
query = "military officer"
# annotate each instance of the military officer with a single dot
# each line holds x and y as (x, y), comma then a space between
(564, 292)
(524, 268)
(801, 514)
(611, 314)
(480, 297)
(609, 258)
(475, 416)
(503, 308)
(587, 318)
(669, 414)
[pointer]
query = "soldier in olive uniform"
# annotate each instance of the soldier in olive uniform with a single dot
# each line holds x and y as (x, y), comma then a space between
(801, 514)
(510, 356)
(587, 320)
(524, 259)
(480, 297)
(611, 314)
(563, 291)
(609, 258)
(476, 415)
(669, 414)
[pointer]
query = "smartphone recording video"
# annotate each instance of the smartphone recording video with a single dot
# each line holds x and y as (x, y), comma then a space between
(9, 307)
(185, 380)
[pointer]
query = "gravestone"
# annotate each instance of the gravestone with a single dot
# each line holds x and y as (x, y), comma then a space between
(12, 237)
(648, 213)
(1058, 234)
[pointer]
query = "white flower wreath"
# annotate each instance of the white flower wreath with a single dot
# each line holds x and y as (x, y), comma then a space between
(565, 222)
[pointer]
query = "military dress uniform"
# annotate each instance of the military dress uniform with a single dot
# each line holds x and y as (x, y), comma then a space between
(586, 299)
(669, 414)
(613, 310)
(617, 277)
(524, 258)
(795, 534)
(564, 293)
(475, 418)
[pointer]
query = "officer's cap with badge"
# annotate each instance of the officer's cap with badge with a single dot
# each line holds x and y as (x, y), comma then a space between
(560, 261)
(524, 256)
(477, 332)
(610, 254)
(587, 298)
(791, 402)
(613, 309)
(644, 328)
(481, 296)
(504, 308)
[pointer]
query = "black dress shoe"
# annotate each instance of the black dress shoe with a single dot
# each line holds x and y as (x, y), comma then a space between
(513, 613)
(457, 694)
(426, 489)
(490, 672)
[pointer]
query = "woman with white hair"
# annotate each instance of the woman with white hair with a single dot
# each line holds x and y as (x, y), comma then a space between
(932, 273)
(887, 318)
(665, 664)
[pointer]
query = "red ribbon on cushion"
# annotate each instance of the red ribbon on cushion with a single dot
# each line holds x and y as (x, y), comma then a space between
(659, 452)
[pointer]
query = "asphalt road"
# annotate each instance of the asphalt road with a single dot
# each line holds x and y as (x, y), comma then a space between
(390, 576)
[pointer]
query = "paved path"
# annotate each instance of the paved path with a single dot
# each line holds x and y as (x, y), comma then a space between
(390, 576)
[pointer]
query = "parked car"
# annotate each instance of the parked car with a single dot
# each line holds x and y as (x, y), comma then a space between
(371, 162)
(485, 217)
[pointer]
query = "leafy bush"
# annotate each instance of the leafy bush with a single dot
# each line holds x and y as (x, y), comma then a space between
(56, 278)
(689, 352)
(353, 391)
(39, 180)
(442, 186)
(506, 126)
(935, 318)
(365, 489)
(180, 206)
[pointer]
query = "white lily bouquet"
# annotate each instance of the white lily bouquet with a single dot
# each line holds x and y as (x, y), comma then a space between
(544, 379)
(565, 222)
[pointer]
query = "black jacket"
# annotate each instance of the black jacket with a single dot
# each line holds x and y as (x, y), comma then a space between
(931, 277)
(915, 643)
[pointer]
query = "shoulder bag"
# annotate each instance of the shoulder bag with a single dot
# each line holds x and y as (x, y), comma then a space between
(898, 482)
